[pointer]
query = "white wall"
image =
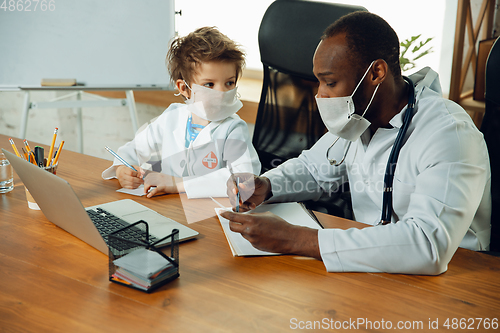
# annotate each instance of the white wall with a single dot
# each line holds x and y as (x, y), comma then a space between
(240, 21)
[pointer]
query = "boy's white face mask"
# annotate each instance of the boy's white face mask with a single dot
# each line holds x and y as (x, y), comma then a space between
(338, 114)
(211, 104)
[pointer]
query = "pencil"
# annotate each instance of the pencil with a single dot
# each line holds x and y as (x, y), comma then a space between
(49, 159)
(30, 153)
(14, 147)
(58, 152)
(25, 154)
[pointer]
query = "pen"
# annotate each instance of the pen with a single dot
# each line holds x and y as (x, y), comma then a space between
(238, 194)
(39, 156)
(119, 158)
(30, 153)
(49, 159)
(14, 147)
(58, 152)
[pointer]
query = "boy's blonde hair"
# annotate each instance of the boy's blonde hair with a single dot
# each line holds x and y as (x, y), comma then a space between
(202, 45)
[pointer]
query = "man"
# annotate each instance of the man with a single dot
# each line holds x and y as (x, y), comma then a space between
(441, 186)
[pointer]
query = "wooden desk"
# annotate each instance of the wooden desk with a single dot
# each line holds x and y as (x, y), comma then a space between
(53, 282)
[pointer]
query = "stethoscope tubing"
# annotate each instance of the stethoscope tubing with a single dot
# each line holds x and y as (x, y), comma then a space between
(393, 156)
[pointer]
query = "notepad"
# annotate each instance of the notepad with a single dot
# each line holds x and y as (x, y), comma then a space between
(143, 269)
(292, 212)
(142, 262)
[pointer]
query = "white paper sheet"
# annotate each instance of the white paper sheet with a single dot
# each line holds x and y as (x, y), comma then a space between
(291, 212)
(137, 191)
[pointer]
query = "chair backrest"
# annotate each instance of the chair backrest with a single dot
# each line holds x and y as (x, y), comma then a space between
(491, 130)
(288, 120)
(492, 87)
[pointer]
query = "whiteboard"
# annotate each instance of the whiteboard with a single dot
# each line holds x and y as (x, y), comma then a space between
(110, 43)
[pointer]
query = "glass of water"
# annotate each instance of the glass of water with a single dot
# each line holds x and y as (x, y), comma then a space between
(6, 175)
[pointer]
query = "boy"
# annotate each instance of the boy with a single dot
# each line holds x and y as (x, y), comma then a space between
(193, 147)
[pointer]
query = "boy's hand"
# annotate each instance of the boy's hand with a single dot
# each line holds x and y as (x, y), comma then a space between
(156, 183)
(254, 190)
(129, 178)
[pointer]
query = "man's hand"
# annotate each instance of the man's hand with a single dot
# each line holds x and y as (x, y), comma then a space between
(156, 183)
(129, 178)
(268, 232)
(254, 190)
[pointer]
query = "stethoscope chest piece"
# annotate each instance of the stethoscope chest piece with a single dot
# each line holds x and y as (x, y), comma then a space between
(334, 162)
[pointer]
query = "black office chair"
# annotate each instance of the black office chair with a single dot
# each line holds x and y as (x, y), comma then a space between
(491, 130)
(288, 120)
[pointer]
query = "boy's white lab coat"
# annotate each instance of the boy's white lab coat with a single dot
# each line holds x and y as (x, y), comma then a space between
(204, 165)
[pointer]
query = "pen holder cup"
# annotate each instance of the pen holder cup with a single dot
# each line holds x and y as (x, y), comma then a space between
(31, 202)
(135, 260)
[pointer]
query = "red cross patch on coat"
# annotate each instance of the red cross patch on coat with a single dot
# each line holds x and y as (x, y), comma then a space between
(210, 161)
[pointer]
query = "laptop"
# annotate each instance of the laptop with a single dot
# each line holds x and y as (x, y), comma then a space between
(61, 206)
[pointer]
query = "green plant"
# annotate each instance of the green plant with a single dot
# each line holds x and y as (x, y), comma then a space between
(407, 62)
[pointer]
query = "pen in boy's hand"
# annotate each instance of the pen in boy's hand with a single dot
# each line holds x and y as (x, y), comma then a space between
(119, 158)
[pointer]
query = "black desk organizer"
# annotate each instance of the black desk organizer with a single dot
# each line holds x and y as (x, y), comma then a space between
(119, 246)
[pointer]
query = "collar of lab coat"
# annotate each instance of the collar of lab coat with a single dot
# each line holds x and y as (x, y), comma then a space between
(397, 120)
(205, 135)
(425, 78)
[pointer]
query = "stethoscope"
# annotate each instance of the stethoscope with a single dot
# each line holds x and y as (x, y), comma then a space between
(393, 157)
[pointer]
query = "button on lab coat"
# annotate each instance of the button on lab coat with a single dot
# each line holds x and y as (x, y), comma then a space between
(441, 190)
(204, 165)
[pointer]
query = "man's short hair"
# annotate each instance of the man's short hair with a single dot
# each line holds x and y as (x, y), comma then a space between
(202, 45)
(369, 37)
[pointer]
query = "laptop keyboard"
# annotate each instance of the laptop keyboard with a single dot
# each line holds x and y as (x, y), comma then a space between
(107, 222)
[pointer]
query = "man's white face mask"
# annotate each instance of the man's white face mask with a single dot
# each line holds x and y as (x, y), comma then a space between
(338, 114)
(211, 104)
